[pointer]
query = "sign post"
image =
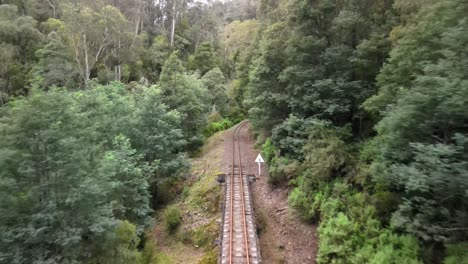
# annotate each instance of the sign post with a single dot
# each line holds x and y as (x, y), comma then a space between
(259, 160)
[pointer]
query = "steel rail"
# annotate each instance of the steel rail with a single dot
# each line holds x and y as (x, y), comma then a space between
(246, 241)
(231, 226)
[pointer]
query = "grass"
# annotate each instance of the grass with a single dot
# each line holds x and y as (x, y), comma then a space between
(198, 204)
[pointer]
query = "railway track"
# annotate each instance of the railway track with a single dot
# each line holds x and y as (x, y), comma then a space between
(239, 238)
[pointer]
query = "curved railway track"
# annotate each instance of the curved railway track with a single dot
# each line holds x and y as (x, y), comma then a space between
(239, 239)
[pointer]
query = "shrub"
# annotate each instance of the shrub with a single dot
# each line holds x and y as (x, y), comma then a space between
(172, 218)
(217, 126)
(210, 257)
(268, 151)
(205, 235)
(281, 169)
(385, 203)
(291, 135)
(456, 254)
(148, 255)
(339, 239)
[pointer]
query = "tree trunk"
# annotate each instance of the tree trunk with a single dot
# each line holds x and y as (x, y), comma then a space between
(53, 8)
(85, 50)
(174, 16)
(118, 68)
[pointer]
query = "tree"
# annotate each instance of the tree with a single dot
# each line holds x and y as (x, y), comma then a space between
(213, 81)
(89, 32)
(76, 167)
(204, 59)
(185, 94)
(55, 66)
(238, 37)
(421, 141)
(130, 194)
(415, 44)
(266, 97)
(20, 39)
(157, 54)
(53, 207)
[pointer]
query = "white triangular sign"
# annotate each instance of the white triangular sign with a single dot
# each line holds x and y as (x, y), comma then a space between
(259, 158)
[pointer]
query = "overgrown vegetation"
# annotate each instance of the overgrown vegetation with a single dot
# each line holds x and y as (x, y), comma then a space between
(196, 211)
(361, 105)
(172, 219)
(101, 105)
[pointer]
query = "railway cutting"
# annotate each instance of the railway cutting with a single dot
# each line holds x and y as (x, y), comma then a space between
(239, 238)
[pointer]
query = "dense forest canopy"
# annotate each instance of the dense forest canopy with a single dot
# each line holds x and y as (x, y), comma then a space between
(364, 106)
(359, 106)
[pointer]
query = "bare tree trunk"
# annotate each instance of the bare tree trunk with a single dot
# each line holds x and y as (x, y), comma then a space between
(85, 50)
(224, 33)
(53, 8)
(163, 15)
(138, 19)
(174, 17)
(118, 68)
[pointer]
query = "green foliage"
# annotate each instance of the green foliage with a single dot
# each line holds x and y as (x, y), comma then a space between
(421, 142)
(266, 98)
(214, 83)
(204, 59)
(172, 218)
(388, 248)
(130, 197)
(73, 171)
(456, 253)
(281, 170)
(20, 38)
(339, 239)
(318, 82)
(437, 176)
(349, 232)
(214, 127)
(124, 250)
(326, 159)
(268, 151)
(417, 46)
(148, 255)
(185, 94)
(291, 135)
(210, 258)
(157, 54)
(84, 163)
(203, 236)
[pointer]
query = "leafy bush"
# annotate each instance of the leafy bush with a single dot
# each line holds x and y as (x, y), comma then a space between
(339, 239)
(268, 150)
(435, 183)
(210, 257)
(281, 169)
(214, 127)
(325, 159)
(291, 135)
(456, 254)
(172, 218)
(388, 248)
(349, 233)
(385, 203)
(205, 235)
